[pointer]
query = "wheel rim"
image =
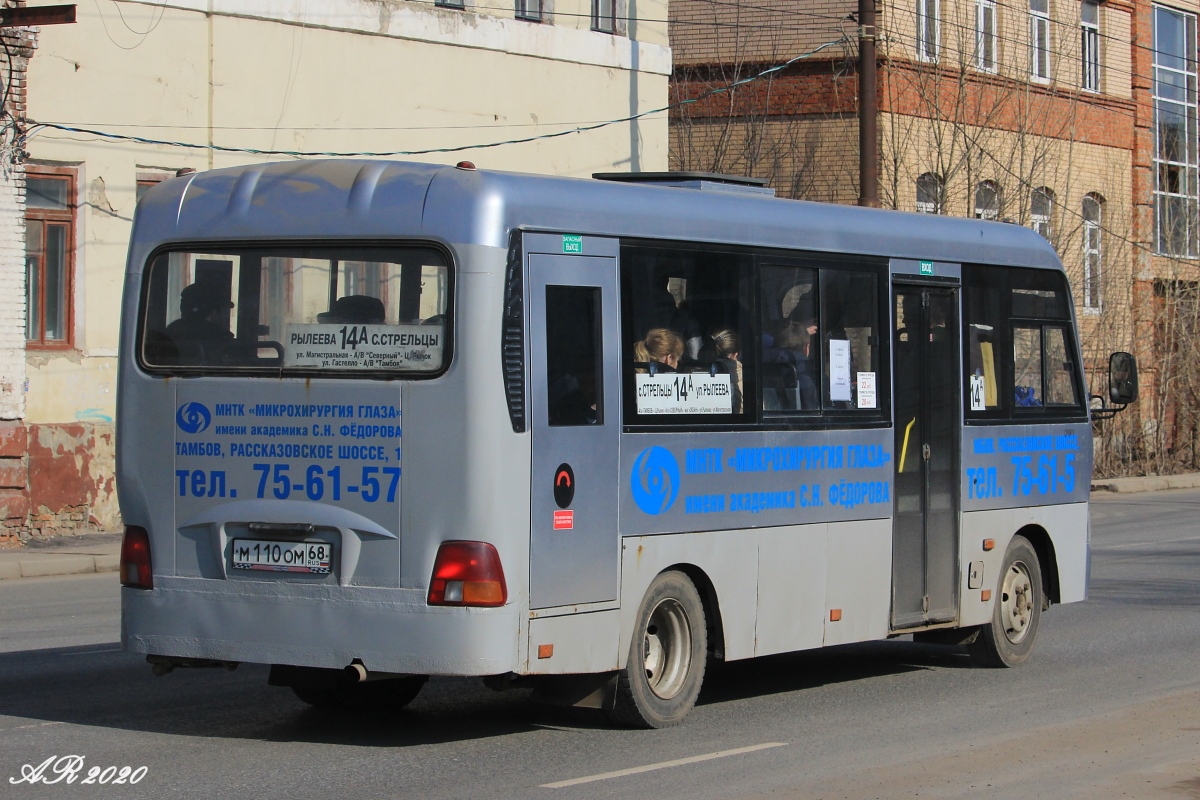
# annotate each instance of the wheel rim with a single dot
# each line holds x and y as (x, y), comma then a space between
(667, 649)
(1017, 602)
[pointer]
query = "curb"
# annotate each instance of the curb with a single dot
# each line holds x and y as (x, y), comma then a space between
(1151, 483)
(49, 564)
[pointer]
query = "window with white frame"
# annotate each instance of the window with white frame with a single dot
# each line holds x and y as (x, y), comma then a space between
(930, 193)
(604, 16)
(1093, 251)
(928, 30)
(1089, 52)
(985, 35)
(1041, 202)
(1176, 192)
(987, 201)
(1039, 39)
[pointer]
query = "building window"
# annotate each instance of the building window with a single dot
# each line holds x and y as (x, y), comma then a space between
(1093, 251)
(985, 35)
(930, 193)
(987, 201)
(1039, 39)
(1041, 201)
(49, 255)
(604, 16)
(529, 10)
(1089, 25)
(1176, 194)
(449, 3)
(928, 30)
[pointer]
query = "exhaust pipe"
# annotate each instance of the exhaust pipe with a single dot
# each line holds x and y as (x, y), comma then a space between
(357, 672)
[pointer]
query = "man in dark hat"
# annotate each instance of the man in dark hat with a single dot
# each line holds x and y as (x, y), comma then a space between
(197, 333)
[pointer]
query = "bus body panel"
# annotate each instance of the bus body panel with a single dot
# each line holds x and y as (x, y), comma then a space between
(1014, 466)
(1067, 527)
(269, 622)
(672, 483)
(578, 643)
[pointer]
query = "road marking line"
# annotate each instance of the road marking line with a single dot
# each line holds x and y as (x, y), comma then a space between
(679, 762)
(1144, 544)
(35, 725)
(92, 652)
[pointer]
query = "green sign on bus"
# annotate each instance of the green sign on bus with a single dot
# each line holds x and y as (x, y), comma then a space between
(573, 244)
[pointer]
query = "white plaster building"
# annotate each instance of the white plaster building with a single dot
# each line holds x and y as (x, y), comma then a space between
(295, 76)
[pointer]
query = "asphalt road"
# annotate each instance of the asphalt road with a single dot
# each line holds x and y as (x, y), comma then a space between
(1109, 706)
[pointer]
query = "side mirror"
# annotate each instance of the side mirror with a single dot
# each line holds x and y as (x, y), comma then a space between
(1122, 379)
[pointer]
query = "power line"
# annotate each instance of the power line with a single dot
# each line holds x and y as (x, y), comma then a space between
(36, 126)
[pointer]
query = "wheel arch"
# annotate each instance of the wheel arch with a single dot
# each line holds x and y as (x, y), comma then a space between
(1043, 545)
(713, 625)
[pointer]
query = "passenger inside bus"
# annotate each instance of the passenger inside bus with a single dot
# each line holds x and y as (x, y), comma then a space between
(660, 351)
(198, 335)
(356, 309)
(792, 345)
(727, 346)
(665, 312)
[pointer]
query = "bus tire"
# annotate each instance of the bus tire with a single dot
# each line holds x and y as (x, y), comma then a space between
(391, 694)
(1008, 640)
(662, 677)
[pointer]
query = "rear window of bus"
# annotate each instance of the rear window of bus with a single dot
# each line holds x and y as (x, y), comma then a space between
(352, 311)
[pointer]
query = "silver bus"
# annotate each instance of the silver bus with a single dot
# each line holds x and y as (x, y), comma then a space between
(379, 421)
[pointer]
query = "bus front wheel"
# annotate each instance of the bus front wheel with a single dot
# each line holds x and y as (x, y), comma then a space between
(1008, 640)
(662, 677)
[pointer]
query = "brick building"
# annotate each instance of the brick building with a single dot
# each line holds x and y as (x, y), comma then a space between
(19, 44)
(1055, 114)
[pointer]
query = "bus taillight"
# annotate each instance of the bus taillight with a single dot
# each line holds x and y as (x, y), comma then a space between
(135, 559)
(467, 574)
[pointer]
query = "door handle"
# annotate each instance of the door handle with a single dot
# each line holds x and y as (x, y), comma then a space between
(925, 452)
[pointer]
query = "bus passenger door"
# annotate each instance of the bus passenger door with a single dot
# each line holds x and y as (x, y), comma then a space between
(574, 545)
(927, 407)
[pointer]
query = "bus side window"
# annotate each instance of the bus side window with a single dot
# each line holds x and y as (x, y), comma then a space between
(850, 339)
(985, 320)
(790, 340)
(574, 377)
(687, 347)
(1019, 355)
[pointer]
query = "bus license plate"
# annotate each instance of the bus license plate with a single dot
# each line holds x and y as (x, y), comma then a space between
(282, 556)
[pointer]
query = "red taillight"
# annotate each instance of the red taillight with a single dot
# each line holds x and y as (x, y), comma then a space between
(135, 559)
(467, 574)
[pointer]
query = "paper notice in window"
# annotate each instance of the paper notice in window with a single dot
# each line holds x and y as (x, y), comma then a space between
(977, 393)
(866, 390)
(839, 370)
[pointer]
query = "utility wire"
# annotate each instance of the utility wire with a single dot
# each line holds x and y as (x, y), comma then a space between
(36, 126)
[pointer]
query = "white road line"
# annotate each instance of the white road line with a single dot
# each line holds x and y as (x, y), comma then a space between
(1128, 545)
(92, 652)
(679, 762)
(35, 725)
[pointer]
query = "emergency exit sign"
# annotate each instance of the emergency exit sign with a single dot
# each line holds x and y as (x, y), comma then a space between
(926, 267)
(573, 244)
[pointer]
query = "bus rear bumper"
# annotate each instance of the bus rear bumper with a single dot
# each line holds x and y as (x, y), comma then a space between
(389, 630)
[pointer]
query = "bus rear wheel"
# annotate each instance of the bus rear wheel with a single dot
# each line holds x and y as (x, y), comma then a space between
(1008, 640)
(390, 694)
(662, 677)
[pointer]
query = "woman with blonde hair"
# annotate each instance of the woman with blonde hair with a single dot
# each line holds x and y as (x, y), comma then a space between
(728, 346)
(662, 346)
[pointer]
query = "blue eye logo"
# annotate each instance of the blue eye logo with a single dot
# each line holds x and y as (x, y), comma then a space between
(655, 480)
(192, 417)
